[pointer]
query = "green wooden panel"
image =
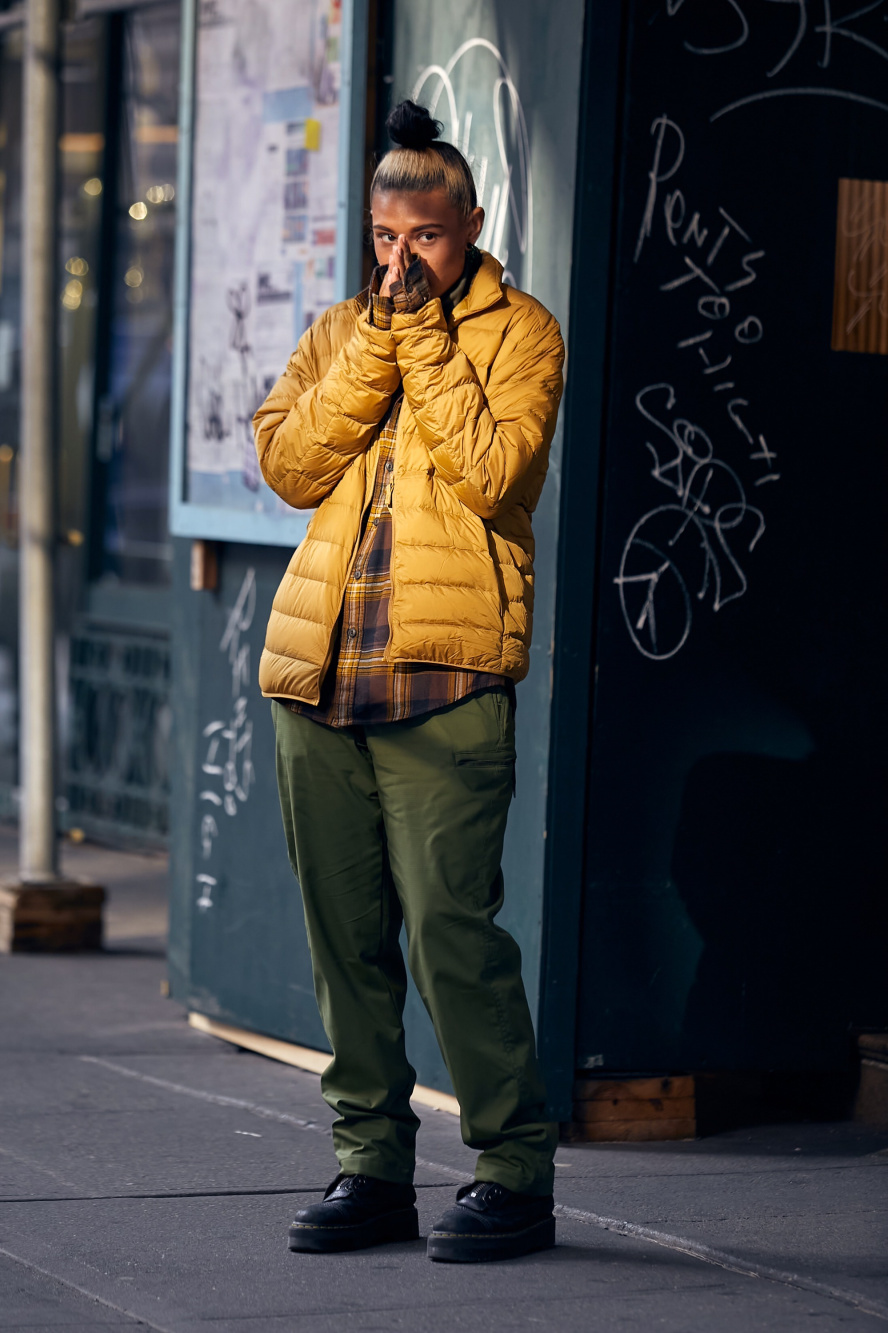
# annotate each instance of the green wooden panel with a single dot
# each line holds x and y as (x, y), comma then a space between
(238, 949)
(583, 419)
(242, 954)
(479, 64)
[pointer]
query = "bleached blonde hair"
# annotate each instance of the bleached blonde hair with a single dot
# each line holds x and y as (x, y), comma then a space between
(420, 162)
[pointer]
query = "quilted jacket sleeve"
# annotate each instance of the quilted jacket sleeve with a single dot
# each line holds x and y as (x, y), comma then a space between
(323, 413)
(487, 443)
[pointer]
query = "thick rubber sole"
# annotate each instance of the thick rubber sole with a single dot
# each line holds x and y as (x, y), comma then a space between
(451, 1247)
(383, 1230)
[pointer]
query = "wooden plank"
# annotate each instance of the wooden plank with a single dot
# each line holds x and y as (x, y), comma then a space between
(636, 1089)
(860, 297)
(41, 900)
(633, 1131)
(676, 1108)
(288, 1053)
(302, 1057)
(63, 916)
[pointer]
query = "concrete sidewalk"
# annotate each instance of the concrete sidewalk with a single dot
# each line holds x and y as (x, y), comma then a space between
(148, 1174)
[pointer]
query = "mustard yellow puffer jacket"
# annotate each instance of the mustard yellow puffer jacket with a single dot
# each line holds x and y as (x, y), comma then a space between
(480, 401)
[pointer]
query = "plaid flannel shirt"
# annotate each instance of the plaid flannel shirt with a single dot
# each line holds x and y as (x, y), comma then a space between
(361, 688)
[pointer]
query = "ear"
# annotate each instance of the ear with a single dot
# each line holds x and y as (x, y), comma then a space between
(474, 224)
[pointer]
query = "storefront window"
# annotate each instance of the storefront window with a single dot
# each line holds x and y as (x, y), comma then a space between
(132, 425)
(81, 157)
(81, 148)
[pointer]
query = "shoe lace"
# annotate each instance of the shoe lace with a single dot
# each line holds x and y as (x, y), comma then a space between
(345, 1185)
(487, 1191)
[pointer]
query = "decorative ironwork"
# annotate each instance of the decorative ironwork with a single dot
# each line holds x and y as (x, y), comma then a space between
(118, 757)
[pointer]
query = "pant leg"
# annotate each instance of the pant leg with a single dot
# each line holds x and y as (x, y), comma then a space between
(445, 786)
(336, 842)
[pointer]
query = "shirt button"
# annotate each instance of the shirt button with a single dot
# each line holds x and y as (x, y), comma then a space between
(389, 467)
(358, 571)
(352, 634)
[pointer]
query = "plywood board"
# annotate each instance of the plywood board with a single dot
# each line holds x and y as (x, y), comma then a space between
(860, 301)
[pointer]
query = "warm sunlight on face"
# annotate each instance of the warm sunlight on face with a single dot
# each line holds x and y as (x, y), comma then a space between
(436, 232)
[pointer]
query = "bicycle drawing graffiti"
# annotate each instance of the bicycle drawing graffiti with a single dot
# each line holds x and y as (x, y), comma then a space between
(691, 549)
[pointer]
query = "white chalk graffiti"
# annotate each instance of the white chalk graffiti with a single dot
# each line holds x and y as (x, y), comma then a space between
(506, 181)
(207, 883)
(699, 538)
(809, 44)
(229, 742)
(702, 531)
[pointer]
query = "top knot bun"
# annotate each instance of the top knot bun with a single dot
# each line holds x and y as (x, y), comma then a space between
(419, 165)
(411, 126)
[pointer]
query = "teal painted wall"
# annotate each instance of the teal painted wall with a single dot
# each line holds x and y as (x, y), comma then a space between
(238, 948)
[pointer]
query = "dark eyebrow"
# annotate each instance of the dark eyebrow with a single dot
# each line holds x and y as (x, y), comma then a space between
(424, 226)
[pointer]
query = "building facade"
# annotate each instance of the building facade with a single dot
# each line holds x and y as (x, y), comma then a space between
(698, 193)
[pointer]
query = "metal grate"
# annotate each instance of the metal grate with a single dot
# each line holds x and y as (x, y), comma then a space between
(117, 775)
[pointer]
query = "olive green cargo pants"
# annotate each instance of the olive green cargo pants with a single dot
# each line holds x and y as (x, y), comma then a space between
(405, 822)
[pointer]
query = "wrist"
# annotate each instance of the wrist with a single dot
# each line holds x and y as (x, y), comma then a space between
(429, 316)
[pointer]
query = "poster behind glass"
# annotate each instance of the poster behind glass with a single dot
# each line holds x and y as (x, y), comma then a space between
(265, 243)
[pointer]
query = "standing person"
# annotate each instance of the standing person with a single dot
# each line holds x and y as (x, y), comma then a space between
(417, 418)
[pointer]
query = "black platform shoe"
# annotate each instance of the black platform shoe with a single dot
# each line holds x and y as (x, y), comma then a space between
(356, 1212)
(489, 1222)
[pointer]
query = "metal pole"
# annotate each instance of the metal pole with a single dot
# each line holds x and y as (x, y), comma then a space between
(37, 848)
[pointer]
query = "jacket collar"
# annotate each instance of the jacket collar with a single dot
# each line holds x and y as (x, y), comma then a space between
(484, 291)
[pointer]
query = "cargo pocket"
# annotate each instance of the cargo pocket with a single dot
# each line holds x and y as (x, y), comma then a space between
(482, 759)
(489, 765)
(491, 773)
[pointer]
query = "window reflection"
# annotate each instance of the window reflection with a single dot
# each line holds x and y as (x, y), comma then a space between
(132, 428)
(81, 158)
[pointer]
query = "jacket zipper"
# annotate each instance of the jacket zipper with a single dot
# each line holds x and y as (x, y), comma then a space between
(390, 502)
(351, 565)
